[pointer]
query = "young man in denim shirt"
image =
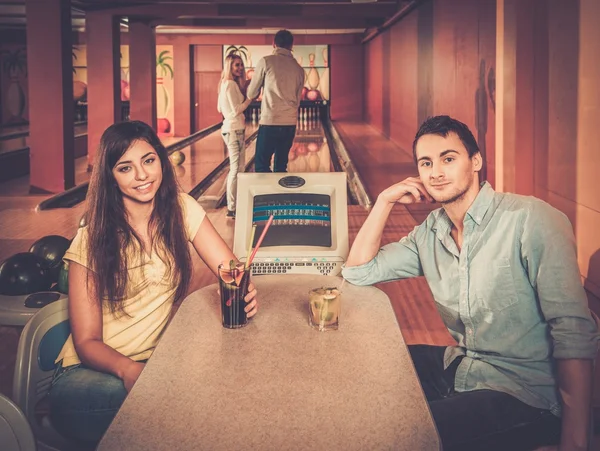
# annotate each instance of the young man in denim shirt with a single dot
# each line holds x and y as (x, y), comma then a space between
(503, 272)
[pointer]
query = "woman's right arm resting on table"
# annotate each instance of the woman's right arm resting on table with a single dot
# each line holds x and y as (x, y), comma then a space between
(85, 314)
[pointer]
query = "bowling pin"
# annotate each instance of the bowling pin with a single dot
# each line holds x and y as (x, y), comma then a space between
(313, 75)
(324, 81)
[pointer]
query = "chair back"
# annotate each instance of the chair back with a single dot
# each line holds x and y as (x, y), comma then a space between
(39, 345)
(15, 431)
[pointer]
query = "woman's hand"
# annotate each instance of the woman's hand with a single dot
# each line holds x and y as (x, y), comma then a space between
(131, 374)
(250, 299)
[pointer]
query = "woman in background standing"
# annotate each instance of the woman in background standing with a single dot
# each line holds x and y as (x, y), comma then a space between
(232, 104)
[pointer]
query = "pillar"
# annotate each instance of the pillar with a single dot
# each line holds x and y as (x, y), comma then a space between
(142, 71)
(104, 76)
(51, 105)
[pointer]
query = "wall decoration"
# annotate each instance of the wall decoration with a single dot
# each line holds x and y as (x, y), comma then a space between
(14, 84)
(164, 82)
(164, 90)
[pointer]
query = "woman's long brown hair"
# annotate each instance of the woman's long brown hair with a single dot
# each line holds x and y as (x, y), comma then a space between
(109, 233)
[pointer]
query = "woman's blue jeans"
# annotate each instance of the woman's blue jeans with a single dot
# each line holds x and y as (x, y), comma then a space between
(83, 402)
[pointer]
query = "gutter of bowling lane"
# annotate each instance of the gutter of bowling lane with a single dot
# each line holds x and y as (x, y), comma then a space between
(75, 195)
(342, 162)
(217, 172)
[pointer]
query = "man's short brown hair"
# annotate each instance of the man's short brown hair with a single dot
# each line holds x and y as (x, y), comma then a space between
(284, 39)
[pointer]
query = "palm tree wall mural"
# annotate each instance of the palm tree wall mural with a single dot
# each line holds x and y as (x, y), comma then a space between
(243, 52)
(164, 78)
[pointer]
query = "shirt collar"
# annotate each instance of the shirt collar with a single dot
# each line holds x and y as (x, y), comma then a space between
(482, 203)
(476, 211)
(282, 51)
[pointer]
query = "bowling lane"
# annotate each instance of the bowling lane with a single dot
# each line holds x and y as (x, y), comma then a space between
(310, 151)
(202, 157)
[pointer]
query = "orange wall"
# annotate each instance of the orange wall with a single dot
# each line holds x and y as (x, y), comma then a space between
(548, 107)
(436, 60)
(347, 84)
(587, 161)
(373, 54)
(402, 94)
(551, 105)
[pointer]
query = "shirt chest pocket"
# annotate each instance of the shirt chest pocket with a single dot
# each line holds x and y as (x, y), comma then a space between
(494, 285)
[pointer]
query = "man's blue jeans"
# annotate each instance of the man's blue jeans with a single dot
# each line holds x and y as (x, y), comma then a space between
(273, 139)
(83, 402)
(479, 420)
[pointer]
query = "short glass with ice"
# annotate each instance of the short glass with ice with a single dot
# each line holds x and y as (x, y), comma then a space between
(324, 306)
(233, 284)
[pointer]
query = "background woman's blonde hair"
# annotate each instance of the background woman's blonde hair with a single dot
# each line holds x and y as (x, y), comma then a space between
(227, 69)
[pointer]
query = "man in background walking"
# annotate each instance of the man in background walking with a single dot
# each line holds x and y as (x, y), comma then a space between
(282, 79)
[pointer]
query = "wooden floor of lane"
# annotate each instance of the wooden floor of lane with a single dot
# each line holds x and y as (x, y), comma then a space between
(380, 163)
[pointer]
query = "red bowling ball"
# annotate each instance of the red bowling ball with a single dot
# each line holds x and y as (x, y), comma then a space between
(313, 95)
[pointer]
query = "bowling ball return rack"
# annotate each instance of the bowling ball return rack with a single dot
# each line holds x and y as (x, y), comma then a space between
(17, 310)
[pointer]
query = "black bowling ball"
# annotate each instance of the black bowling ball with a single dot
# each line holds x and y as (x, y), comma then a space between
(24, 273)
(51, 249)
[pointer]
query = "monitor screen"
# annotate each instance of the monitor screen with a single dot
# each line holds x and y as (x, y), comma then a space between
(300, 219)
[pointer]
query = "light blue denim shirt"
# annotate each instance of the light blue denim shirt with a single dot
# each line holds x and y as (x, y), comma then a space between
(511, 297)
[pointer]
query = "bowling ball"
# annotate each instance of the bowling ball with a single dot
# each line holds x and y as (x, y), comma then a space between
(313, 95)
(179, 171)
(163, 125)
(51, 250)
(63, 278)
(312, 147)
(177, 158)
(125, 90)
(24, 273)
(301, 149)
(304, 92)
(79, 90)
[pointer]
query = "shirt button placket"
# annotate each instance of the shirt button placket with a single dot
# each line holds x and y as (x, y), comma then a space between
(465, 305)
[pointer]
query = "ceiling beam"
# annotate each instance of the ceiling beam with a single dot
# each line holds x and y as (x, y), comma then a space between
(109, 4)
(243, 10)
(273, 23)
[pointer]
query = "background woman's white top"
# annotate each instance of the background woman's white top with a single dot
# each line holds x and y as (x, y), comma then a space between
(232, 105)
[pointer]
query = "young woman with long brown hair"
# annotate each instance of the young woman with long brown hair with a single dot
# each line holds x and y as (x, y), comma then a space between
(127, 268)
(232, 103)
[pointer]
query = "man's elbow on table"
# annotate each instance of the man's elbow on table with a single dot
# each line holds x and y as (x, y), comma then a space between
(356, 275)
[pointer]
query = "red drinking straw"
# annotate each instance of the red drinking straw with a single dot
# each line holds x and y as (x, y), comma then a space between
(260, 239)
